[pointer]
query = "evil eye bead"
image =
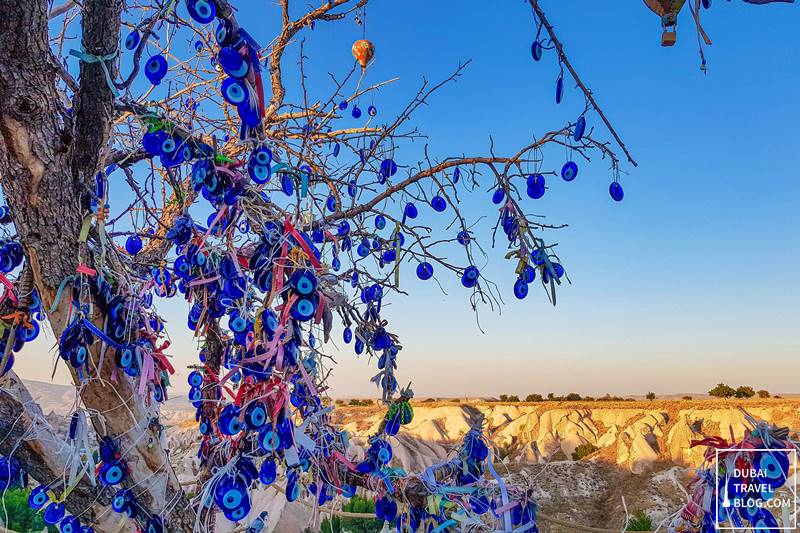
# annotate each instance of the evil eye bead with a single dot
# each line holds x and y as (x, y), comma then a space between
(356, 112)
(498, 196)
(304, 282)
(229, 423)
(154, 525)
(580, 129)
(121, 500)
(372, 110)
(250, 115)
(195, 379)
(424, 271)
(347, 335)
(224, 32)
(268, 472)
(616, 192)
(268, 438)
(133, 244)
(456, 175)
(470, 276)
(336, 150)
(124, 357)
(155, 69)
(536, 186)
(234, 91)
(438, 203)
(205, 427)
(536, 51)
(269, 320)
(261, 156)
(229, 494)
(107, 449)
(560, 88)
(521, 289)
(53, 513)
(195, 395)
(569, 171)
(388, 168)
(380, 222)
(411, 210)
(38, 498)
(343, 105)
(238, 324)
(232, 62)
(255, 416)
(773, 467)
(528, 274)
(29, 334)
(112, 473)
(202, 11)
(132, 40)
(287, 185)
(69, 524)
(303, 309)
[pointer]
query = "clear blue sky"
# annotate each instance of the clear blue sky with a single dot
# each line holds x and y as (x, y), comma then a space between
(692, 279)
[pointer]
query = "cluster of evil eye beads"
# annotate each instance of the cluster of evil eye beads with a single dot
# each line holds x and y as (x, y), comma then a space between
(726, 493)
(111, 473)
(131, 331)
(570, 170)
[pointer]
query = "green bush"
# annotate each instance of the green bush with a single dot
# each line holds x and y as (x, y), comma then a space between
(362, 403)
(722, 391)
(583, 450)
(640, 522)
(20, 516)
(744, 392)
(763, 393)
(534, 398)
(509, 398)
(651, 396)
(573, 397)
(357, 504)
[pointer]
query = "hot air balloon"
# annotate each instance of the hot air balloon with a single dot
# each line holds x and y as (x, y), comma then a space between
(363, 50)
(668, 11)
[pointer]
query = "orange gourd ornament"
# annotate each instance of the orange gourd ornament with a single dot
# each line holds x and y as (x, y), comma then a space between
(363, 51)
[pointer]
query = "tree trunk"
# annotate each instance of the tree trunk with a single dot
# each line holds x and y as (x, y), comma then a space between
(48, 160)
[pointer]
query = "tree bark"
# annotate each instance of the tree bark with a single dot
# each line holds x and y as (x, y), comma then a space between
(48, 159)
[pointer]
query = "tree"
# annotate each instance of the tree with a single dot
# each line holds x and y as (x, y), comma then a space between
(651, 396)
(290, 208)
(534, 398)
(583, 450)
(573, 397)
(763, 393)
(722, 391)
(744, 392)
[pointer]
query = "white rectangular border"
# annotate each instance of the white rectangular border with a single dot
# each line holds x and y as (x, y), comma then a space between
(792, 451)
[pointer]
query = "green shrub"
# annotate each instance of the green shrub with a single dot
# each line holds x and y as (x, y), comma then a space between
(763, 393)
(583, 450)
(722, 391)
(573, 397)
(640, 522)
(362, 403)
(509, 398)
(357, 504)
(651, 396)
(20, 516)
(744, 392)
(534, 398)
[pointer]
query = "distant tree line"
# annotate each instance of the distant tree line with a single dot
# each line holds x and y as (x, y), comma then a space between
(571, 397)
(723, 390)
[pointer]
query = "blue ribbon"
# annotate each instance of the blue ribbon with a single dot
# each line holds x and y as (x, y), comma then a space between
(91, 58)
